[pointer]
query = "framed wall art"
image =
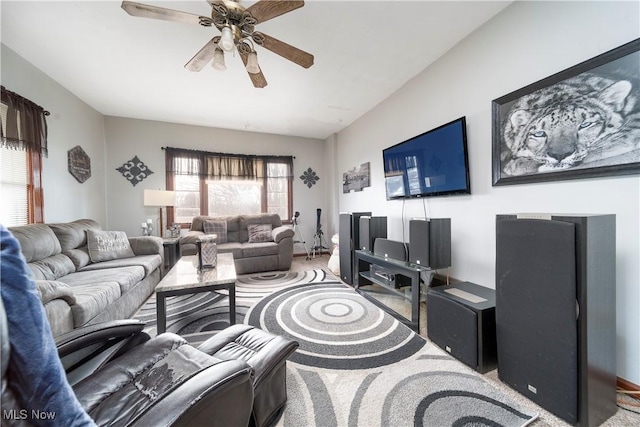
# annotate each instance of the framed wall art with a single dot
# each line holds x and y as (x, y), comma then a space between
(582, 122)
(79, 164)
(356, 179)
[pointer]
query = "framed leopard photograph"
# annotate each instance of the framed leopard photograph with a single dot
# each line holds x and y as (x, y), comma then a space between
(582, 122)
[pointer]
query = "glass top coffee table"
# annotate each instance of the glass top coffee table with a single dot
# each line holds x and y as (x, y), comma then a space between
(185, 278)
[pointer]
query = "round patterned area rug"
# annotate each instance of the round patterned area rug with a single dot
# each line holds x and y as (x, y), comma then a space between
(336, 327)
(356, 365)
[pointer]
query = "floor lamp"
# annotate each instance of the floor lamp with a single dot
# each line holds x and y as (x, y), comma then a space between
(159, 198)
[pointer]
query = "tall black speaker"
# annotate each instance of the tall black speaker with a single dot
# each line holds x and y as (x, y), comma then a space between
(371, 228)
(555, 312)
(430, 242)
(349, 237)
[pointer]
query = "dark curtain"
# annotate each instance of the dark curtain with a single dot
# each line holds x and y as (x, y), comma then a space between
(184, 162)
(26, 126)
(217, 166)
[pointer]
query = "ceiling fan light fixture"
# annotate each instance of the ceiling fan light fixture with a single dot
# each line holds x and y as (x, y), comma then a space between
(218, 60)
(252, 63)
(226, 40)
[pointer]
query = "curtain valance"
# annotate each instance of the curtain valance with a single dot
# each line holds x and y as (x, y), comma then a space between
(24, 126)
(217, 166)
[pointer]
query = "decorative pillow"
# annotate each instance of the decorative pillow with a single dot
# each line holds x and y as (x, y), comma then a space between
(259, 233)
(108, 245)
(217, 227)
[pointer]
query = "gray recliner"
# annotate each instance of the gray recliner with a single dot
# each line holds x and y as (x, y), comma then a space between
(130, 380)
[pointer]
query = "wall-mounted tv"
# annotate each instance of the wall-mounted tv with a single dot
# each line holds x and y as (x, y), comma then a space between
(434, 163)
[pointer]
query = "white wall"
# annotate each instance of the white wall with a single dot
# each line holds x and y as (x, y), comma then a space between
(71, 123)
(525, 43)
(129, 137)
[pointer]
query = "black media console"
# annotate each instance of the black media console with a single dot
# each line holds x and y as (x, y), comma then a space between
(365, 261)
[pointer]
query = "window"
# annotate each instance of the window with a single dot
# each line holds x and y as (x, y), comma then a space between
(215, 184)
(14, 206)
(23, 140)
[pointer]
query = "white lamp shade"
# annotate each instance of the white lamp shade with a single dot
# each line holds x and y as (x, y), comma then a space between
(252, 63)
(226, 40)
(159, 198)
(218, 60)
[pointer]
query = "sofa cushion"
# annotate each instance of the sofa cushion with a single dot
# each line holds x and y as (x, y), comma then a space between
(126, 277)
(73, 234)
(245, 220)
(231, 247)
(92, 300)
(259, 249)
(148, 262)
(233, 225)
(79, 257)
(52, 267)
(259, 233)
(37, 241)
(108, 245)
(217, 227)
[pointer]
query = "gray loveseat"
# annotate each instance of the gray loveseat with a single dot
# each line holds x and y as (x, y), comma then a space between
(77, 291)
(276, 253)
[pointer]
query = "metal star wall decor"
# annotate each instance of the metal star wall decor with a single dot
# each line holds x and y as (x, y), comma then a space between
(309, 177)
(134, 170)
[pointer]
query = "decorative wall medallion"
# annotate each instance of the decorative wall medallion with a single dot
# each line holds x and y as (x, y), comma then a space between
(309, 177)
(79, 164)
(134, 170)
(356, 179)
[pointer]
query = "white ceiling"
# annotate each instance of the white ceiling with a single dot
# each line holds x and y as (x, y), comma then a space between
(133, 67)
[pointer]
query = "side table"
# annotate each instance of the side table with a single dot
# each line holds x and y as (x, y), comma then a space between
(171, 251)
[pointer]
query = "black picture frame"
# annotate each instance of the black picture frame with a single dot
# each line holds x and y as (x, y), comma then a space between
(589, 99)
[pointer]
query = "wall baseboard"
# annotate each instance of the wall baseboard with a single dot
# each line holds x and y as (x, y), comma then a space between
(317, 253)
(623, 384)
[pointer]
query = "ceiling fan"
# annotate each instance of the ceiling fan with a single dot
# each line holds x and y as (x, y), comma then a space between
(236, 24)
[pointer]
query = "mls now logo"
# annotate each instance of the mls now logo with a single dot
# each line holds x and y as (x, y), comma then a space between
(23, 414)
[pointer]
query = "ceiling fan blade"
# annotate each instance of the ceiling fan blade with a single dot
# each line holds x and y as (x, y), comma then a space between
(155, 12)
(283, 49)
(257, 79)
(267, 9)
(204, 56)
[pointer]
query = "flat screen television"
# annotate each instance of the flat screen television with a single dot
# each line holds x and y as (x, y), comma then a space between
(434, 163)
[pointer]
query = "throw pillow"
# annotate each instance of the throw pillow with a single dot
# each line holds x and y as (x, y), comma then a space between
(259, 233)
(108, 245)
(217, 227)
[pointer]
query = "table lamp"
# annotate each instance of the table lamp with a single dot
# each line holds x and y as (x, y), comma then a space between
(160, 198)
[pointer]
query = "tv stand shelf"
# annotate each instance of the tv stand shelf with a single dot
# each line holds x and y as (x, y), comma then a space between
(363, 277)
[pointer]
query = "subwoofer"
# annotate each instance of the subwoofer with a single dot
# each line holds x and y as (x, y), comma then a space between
(555, 312)
(371, 228)
(349, 237)
(461, 320)
(430, 242)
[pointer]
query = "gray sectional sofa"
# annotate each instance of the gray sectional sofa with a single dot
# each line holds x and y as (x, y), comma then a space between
(273, 252)
(74, 288)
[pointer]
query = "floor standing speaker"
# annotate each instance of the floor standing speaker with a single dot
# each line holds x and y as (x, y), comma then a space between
(430, 242)
(371, 228)
(349, 237)
(555, 312)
